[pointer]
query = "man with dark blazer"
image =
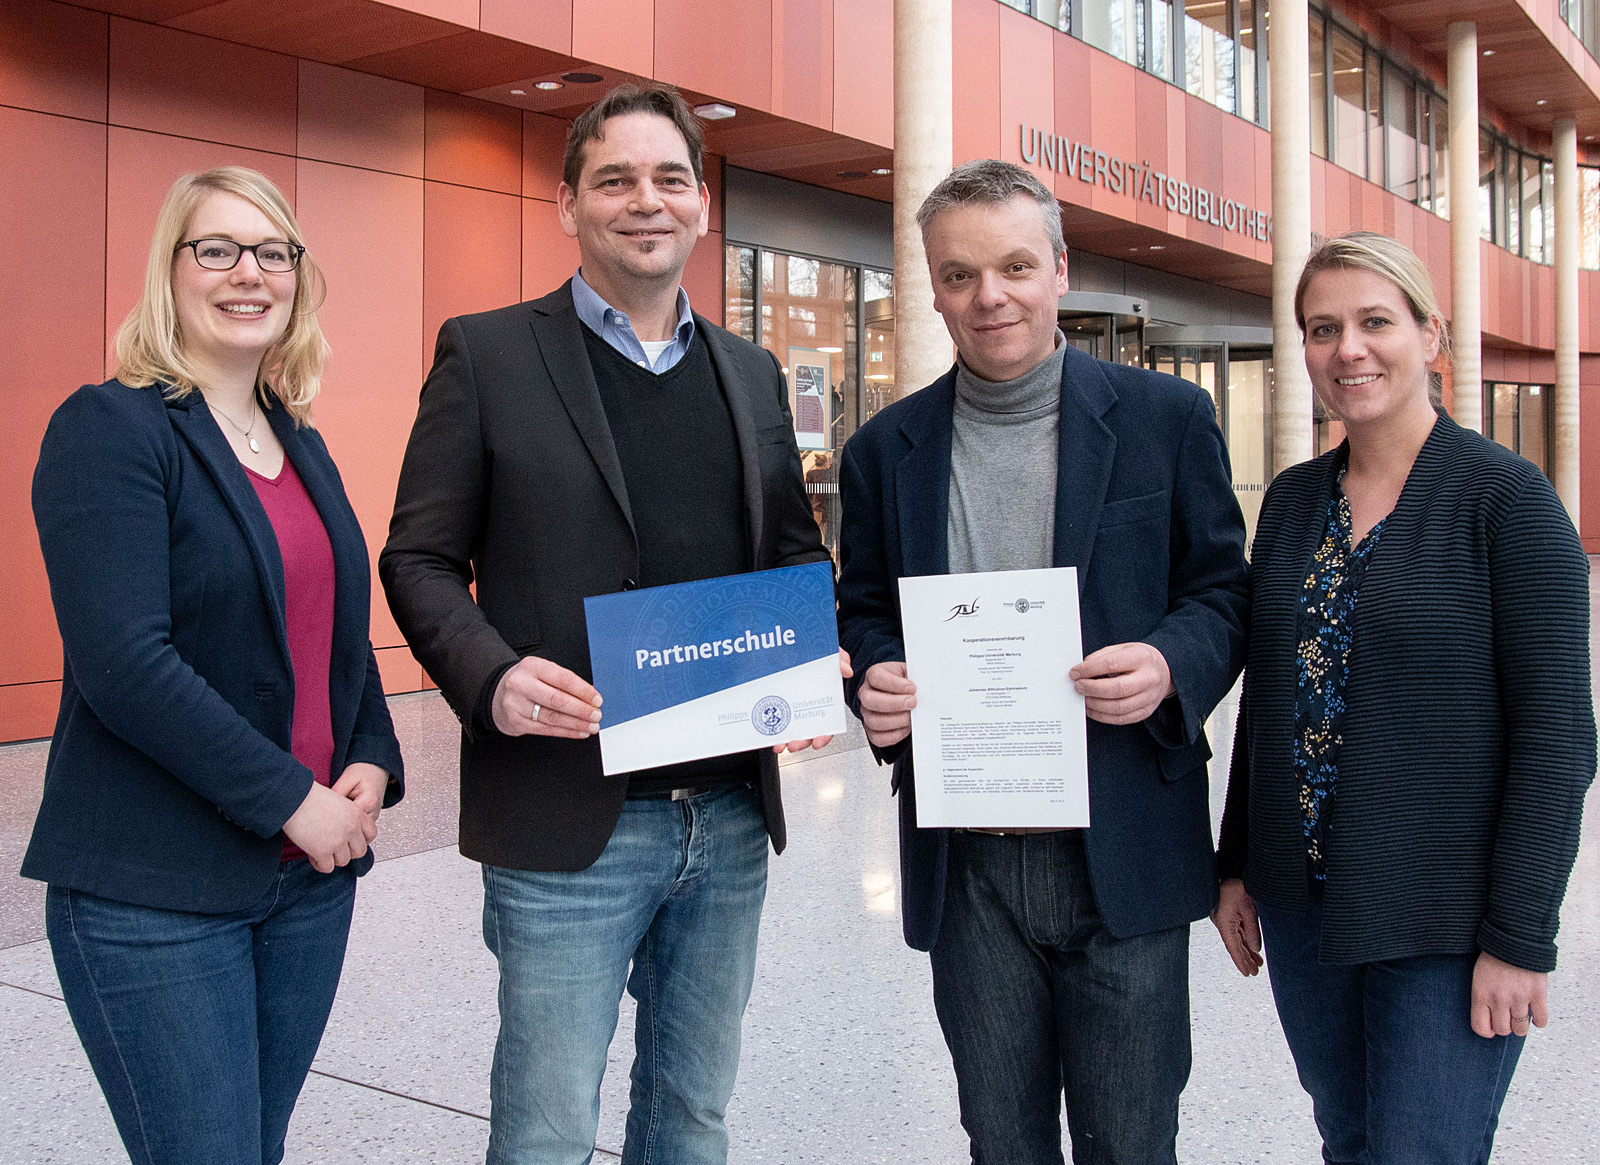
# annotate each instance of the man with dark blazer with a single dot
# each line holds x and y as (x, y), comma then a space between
(596, 440)
(1060, 957)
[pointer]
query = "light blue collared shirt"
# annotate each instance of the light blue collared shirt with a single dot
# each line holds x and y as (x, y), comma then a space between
(616, 329)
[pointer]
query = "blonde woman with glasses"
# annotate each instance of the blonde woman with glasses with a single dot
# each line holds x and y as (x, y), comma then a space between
(223, 747)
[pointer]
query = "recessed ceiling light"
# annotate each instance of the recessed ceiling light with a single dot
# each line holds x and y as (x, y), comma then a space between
(852, 173)
(1157, 247)
(1588, 137)
(878, 376)
(881, 171)
(582, 78)
(1488, 52)
(1541, 101)
(1131, 250)
(715, 111)
(547, 85)
(830, 349)
(519, 93)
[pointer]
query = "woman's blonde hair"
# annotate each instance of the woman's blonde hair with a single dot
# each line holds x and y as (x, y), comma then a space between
(149, 343)
(1384, 257)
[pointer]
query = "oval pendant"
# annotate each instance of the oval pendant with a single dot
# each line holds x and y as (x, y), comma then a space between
(254, 448)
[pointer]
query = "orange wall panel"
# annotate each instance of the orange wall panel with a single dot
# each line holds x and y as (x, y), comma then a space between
(28, 711)
(702, 278)
(140, 168)
(722, 48)
(471, 254)
(976, 60)
(193, 86)
(400, 670)
(549, 257)
(803, 61)
(1150, 141)
(546, 23)
(712, 165)
(372, 318)
(1027, 84)
(53, 58)
(863, 70)
(544, 144)
(360, 120)
(462, 12)
(472, 143)
(53, 188)
(619, 33)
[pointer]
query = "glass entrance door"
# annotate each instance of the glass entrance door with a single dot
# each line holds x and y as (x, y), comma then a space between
(1238, 378)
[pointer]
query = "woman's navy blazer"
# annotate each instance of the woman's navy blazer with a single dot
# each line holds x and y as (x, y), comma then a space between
(170, 777)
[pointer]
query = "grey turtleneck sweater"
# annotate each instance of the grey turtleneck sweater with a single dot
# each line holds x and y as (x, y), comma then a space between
(1003, 468)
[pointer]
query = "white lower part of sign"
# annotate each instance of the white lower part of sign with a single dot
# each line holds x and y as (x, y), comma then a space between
(796, 704)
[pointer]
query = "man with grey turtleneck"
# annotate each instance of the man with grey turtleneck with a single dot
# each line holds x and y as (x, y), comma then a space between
(1060, 956)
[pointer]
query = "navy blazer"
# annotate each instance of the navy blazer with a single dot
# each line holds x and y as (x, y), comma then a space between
(1145, 511)
(170, 777)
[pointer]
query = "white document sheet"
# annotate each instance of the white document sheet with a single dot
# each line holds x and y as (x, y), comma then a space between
(997, 735)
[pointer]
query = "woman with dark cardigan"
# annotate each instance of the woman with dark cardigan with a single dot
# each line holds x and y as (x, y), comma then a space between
(1415, 737)
(223, 747)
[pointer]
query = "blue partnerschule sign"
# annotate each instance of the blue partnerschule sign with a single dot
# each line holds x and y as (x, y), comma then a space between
(716, 666)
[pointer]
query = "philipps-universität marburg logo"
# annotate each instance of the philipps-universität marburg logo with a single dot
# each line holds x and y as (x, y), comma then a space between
(1021, 606)
(770, 715)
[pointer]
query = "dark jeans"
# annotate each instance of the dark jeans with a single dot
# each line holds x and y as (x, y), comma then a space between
(1396, 1074)
(201, 1027)
(1035, 997)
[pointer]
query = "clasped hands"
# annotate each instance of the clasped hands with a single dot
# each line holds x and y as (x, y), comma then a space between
(334, 825)
(1504, 1001)
(536, 697)
(1120, 684)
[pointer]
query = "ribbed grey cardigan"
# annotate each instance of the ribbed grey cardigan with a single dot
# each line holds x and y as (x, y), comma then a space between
(1469, 732)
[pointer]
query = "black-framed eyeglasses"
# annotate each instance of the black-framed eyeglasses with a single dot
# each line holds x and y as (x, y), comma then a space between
(223, 254)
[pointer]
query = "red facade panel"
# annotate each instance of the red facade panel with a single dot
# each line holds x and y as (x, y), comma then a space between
(546, 23)
(976, 61)
(1027, 89)
(51, 297)
(28, 711)
(544, 143)
(174, 82)
(53, 58)
(803, 61)
(371, 317)
(472, 143)
(863, 72)
(722, 48)
(619, 33)
(549, 257)
(702, 278)
(360, 120)
(471, 255)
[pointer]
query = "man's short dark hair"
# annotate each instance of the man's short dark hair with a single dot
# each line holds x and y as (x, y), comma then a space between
(589, 125)
(989, 180)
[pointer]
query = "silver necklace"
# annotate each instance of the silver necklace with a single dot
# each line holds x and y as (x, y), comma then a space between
(255, 415)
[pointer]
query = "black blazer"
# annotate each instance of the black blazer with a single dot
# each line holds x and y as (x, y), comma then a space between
(1469, 734)
(511, 485)
(1145, 511)
(170, 775)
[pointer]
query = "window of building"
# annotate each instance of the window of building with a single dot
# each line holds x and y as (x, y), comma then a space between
(1208, 44)
(1400, 121)
(1490, 225)
(1116, 26)
(813, 315)
(1319, 88)
(1433, 156)
(1349, 102)
(1517, 416)
(1583, 17)
(1589, 216)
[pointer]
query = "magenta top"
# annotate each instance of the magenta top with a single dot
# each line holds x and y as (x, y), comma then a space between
(308, 603)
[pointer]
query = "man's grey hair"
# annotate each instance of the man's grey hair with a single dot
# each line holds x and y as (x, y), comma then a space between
(990, 180)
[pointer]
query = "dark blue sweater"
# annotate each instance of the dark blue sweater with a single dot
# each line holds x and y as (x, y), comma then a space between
(1469, 735)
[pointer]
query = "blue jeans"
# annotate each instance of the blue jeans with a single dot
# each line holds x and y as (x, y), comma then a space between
(201, 1027)
(1037, 998)
(1396, 1074)
(678, 892)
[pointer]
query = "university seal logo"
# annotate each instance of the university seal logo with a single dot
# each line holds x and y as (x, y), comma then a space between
(770, 715)
(1021, 606)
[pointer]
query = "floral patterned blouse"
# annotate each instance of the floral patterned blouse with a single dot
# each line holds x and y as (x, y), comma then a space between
(1327, 608)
